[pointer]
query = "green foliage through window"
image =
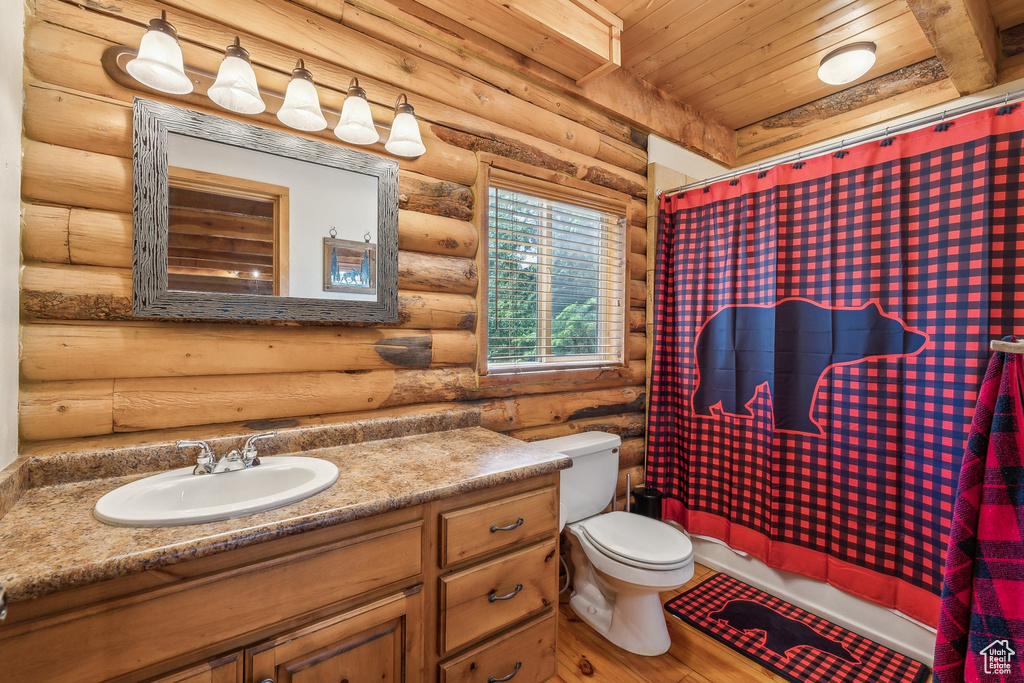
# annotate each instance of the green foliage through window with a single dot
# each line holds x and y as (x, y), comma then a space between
(554, 283)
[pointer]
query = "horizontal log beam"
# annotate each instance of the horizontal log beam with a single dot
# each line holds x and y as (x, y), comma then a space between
(637, 240)
(58, 410)
(151, 447)
(619, 94)
(72, 119)
(53, 410)
(893, 107)
(430, 273)
(637, 320)
(91, 351)
(61, 292)
(71, 177)
(56, 234)
(504, 415)
(400, 32)
(625, 426)
(334, 53)
(637, 293)
(637, 346)
(965, 40)
(792, 122)
(543, 156)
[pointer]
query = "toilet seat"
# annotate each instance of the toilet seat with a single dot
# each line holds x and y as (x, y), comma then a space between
(638, 541)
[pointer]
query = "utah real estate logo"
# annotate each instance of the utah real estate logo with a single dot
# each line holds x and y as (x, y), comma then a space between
(997, 656)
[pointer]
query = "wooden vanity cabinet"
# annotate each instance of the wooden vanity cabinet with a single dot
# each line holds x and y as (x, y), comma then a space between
(405, 596)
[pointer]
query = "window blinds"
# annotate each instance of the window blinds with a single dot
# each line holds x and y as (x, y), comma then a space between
(556, 281)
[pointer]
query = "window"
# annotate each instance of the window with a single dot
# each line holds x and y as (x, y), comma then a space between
(555, 277)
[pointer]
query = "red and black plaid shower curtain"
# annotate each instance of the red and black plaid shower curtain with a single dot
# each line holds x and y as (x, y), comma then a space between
(820, 333)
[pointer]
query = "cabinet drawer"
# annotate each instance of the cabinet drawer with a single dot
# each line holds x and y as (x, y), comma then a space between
(527, 651)
(478, 601)
(481, 529)
(226, 669)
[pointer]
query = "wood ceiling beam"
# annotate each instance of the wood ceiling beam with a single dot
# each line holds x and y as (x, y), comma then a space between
(965, 39)
(901, 92)
(619, 94)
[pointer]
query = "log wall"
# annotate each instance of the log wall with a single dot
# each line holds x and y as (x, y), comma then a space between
(92, 375)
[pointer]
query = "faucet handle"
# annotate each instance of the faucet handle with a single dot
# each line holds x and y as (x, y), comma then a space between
(205, 461)
(250, 447)
(207, 451)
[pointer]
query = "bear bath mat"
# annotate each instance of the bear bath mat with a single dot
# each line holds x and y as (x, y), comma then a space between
(792, 642)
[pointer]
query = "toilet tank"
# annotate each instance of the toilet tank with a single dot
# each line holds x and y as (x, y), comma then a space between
(589, 485)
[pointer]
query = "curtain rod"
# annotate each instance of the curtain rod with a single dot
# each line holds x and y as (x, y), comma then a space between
(824, 149)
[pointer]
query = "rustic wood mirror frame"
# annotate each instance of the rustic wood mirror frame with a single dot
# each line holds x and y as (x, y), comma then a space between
(151, 297)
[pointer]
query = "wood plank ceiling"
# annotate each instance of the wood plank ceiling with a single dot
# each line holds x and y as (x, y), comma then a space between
(751, 65)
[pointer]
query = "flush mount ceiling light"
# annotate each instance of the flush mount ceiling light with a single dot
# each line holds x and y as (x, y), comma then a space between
(159, 63)
(301, 108)
(847, 63)
(404, 140)
(235, 88)
(356, 124)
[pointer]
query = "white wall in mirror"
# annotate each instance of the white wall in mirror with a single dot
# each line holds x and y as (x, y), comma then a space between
(320, 197)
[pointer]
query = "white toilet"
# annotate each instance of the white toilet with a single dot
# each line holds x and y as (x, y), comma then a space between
(622, 560)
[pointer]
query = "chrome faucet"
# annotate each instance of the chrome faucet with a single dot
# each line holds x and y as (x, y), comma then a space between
(233, 460)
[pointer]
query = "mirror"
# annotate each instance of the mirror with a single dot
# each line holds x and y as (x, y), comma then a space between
(234, 221)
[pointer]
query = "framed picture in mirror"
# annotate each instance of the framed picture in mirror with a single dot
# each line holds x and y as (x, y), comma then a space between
(350, 266)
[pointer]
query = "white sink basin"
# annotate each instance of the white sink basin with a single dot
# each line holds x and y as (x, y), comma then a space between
(179, 497)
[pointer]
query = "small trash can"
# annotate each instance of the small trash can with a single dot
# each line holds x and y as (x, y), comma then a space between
(647, 502)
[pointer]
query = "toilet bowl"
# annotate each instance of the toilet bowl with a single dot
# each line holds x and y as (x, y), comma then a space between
(622, 561)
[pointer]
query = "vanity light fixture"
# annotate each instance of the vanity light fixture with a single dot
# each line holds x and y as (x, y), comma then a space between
(159, 63)
(235, 88)
(405, 138)
(301, 108)
(847, 63)
(356, 125)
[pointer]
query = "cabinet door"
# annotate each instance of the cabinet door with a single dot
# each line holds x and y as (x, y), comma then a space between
(226, 669)
(377, 642)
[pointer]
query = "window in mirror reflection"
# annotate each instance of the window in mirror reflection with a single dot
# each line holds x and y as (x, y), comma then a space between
(226, 235)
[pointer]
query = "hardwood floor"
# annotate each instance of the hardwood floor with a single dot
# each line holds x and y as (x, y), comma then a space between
(585, 657)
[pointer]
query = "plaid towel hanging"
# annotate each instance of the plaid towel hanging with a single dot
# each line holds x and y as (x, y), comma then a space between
(981, 623)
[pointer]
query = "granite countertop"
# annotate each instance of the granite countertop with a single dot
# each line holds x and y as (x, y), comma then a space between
(50, 540)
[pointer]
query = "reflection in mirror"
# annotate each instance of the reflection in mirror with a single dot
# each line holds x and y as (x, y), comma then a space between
(236, 221)
(226, 234)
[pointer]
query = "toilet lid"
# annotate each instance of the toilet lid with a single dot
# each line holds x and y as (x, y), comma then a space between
(638, 541)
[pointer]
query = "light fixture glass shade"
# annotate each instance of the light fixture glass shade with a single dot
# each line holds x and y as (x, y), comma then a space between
(847, 64)
(235, 88)
(301, 108)
(356, 124)
(405, 140)
(159, 64)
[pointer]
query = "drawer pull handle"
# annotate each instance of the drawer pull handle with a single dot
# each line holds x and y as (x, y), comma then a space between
(3, 602)
(493, 598)
(518, 523)
(492, 679)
